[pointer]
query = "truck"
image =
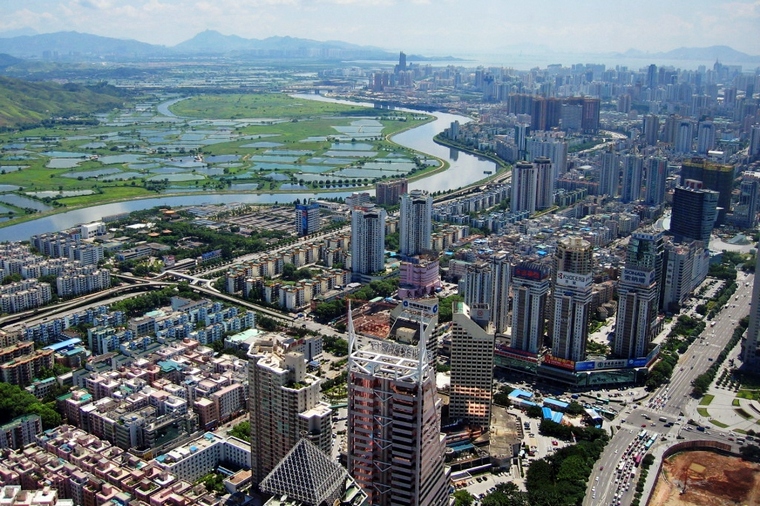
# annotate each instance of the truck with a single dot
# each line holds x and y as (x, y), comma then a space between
(663, 419)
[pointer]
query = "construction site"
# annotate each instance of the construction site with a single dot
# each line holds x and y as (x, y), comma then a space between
(704, 478)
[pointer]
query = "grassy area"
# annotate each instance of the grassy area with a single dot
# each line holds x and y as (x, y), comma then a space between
(25, 103)
(706, 400)
(743, 414)
(114, 193)
(735, 402)
(753, 395)
(718, 423)
(270, 105)
(740, 431)
(703, 412)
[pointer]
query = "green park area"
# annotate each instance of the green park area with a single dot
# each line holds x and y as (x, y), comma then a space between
(235, 143)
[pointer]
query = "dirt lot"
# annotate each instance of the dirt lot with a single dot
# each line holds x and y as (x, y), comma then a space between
(710, 480)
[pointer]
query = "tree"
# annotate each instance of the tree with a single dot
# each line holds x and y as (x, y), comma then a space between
(242, 431)
(750, 452)
(12, 278)
(534, 412)
(575, 408)
(267, 323)
(445, 311)
(463, 498)
(15, 401)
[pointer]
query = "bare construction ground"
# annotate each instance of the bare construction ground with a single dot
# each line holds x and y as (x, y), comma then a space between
(703, 478)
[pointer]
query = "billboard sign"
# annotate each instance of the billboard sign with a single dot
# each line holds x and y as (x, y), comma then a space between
(596, 365)
(521, 271)
(571, 279)
(642, 278)
(506, 351)
(559, 362)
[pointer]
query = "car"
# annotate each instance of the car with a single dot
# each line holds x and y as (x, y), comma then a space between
(554, 443)
(643, 425)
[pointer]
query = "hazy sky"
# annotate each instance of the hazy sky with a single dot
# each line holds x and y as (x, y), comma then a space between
(415, 26)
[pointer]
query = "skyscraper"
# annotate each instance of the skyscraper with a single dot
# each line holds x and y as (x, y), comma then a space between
(285, 406)
(478, 284)
(684, 137)
(754, 142)
(530, 289)
(307, 218)
(367, 241)
(678, 270)
(500, 275)
(638, 294)
(694, 212)
(545, 183)
(394, 426)
(388, 192)
(745, 210)
(714, 176)
(401, 61)
(652, 76)
(705, 137)
(633, 165)
(472, 342)
(416, 223)
(524, 190)
(609, 174)
(551, 145)
(571, 287)
(751, 357)
(651, 129)
(656, 179)
(522, 130)
(646, 251)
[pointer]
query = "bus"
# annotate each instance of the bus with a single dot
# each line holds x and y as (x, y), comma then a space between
(637, 460)
(643, 434)
(649, 443)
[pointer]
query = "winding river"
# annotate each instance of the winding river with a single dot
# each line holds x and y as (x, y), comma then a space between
(464, 169)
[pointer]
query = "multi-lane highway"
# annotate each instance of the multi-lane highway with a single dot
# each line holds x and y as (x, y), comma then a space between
(607, 486)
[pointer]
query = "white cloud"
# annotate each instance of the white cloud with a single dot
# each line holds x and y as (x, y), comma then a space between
(446, 26)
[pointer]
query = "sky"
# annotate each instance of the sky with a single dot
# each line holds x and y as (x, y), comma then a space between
(431, 27)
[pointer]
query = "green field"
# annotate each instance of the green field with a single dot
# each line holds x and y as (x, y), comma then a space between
(234, 142)
(703, 412)
(260, 106)
(706, 400)
(753, 395)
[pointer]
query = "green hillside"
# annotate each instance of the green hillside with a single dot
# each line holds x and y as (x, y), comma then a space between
(30, 103)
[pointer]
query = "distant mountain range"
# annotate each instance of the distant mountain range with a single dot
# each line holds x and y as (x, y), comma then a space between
(75, 46)
(723, 54)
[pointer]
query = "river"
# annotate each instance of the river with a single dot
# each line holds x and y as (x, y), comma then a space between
(464, 169)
